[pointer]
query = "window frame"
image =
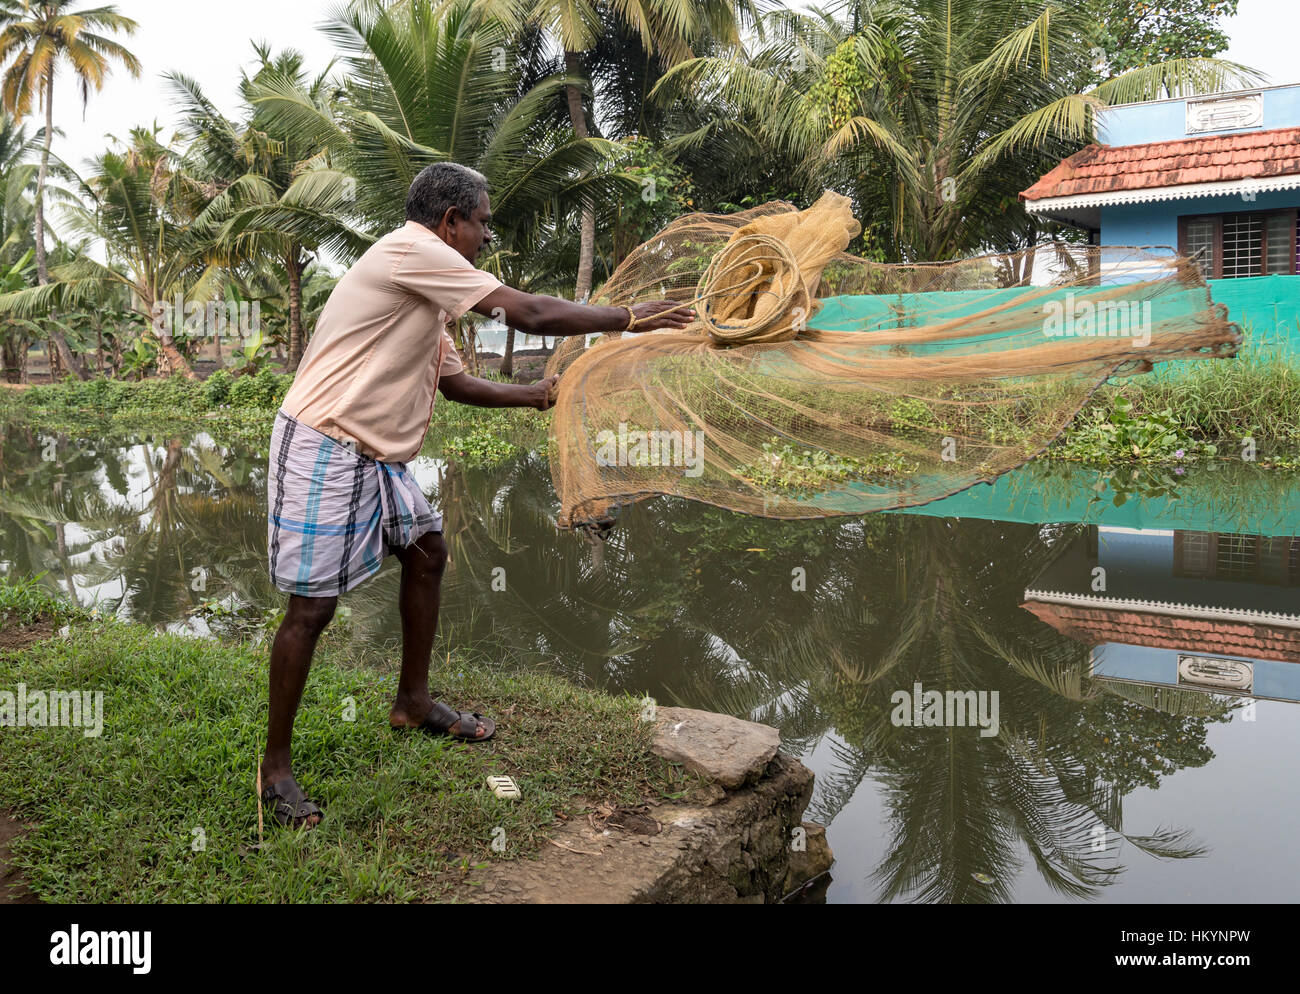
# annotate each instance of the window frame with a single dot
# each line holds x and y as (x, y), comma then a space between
(1213, 569)
(1291, 213)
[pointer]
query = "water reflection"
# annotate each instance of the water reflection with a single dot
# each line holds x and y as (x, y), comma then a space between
(811, 626)
(1197, 611)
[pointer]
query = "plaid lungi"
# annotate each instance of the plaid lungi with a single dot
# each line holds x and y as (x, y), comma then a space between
(333, 514)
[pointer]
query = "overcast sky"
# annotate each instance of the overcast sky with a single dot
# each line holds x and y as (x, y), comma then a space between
(211, 41)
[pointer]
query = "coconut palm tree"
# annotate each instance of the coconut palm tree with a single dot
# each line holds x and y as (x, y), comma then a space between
(427, 87)
(150, 215)
(257, 166)
(37, 37)
(18, 176)
(931, 115)
(665, 30)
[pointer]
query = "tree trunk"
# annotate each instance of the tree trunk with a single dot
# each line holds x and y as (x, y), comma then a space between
(1027, 265)
(15, 360)
(471, 346)
(69, 360)
(508, 355)
(293, 265)
(175, 360)
(587, 244)
(42, 265)
(170, 359)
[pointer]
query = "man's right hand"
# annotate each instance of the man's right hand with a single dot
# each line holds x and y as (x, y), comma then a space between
(655, 314)
(535, 314)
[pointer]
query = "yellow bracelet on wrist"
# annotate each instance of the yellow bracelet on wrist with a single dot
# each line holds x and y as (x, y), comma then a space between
(631, 319)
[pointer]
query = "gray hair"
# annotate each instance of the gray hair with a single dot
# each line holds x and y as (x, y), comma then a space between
(443, 185)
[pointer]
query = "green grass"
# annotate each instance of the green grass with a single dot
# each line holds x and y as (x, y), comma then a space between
(1211, 404)
(241, 411)
(1256, 394)
(26, 601)
(407, 817)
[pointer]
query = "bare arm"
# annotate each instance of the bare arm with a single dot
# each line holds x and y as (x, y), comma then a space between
(552, 317)
(465, 389)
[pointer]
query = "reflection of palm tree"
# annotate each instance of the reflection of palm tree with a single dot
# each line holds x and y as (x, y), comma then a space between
(204, 512)
(907, 600)
(962, 805)
(45, 485)
(681, 609)
(200, 508)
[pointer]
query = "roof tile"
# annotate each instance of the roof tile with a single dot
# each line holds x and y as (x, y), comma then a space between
(1110, 168)
(1230, 638)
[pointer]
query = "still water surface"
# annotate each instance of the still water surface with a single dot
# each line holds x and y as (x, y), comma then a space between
(1146, 728)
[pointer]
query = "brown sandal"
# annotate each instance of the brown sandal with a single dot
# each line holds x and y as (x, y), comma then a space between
(289, 805)
(440, 720)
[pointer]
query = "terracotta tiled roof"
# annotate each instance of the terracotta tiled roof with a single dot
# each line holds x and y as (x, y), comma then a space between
(1093, 625)
(1213, 159)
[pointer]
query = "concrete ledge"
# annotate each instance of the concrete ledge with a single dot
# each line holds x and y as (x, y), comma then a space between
(722, 847)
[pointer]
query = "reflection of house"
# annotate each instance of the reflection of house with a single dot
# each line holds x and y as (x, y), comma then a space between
(1193, 610)
(1218, 177)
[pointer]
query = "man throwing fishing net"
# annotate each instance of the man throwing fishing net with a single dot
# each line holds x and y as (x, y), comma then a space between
(339, 495)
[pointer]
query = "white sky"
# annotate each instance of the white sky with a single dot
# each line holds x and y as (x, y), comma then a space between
(211, 42)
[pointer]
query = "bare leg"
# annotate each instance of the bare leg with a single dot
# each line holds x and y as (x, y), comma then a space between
(422, 568)
(291, 653)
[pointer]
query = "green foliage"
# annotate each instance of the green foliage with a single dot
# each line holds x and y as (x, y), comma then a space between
(931, 117)
(216, 388)
(1137, 33)
(140, 360)
(663, 191)
(252, 356)
(838, 95)
(1115, 434)
(1255, 395)
(480, 445)
(484, 435)
(809, 471)
(911, 411)
(1131, 746)
(51, 405)
(245, 393)
(266, 390)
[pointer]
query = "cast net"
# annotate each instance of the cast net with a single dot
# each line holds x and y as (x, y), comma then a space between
(816, 383)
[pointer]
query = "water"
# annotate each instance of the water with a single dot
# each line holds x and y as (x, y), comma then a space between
(1179, 727)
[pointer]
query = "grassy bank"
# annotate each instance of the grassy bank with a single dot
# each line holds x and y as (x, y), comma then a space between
(1210, 405)
(162, 806)
(240, 411)
(1209, 409)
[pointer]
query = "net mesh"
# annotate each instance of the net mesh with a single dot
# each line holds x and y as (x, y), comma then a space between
(816, 383)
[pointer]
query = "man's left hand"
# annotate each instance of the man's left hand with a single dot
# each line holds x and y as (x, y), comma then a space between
(544, 393)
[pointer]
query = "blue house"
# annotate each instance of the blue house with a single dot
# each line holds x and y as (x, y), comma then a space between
(1217, 177)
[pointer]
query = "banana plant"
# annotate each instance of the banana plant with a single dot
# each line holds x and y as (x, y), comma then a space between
(252, 356)
(140, 360)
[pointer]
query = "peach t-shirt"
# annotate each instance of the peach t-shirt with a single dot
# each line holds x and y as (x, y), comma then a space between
(370, 373)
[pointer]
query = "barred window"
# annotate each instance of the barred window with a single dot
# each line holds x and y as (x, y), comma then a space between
(1253, 243)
